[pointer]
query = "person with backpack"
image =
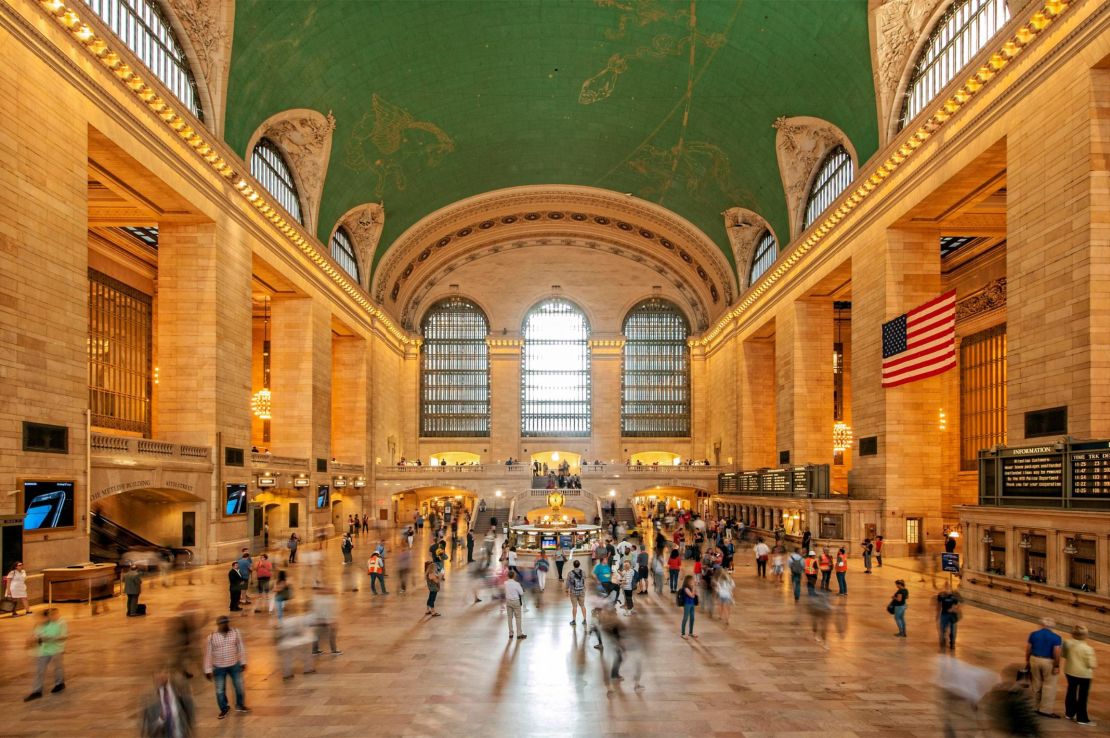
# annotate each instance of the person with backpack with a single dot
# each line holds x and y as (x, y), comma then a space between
(576, 590)
(542, 567)
(687, 599)
(868, 549)
(797, 567)
(897, 607)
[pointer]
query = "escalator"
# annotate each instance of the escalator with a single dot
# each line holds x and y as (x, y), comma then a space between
(111, 543)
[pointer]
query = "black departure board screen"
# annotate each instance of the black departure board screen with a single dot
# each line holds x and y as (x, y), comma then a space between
(1090, 473)
(1036, 472)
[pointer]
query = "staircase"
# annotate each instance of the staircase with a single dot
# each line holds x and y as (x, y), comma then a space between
(539, 482)
(481, 520)
(626, 516)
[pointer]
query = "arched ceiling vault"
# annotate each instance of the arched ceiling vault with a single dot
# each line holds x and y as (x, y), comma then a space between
(438, 101)
(571, 217)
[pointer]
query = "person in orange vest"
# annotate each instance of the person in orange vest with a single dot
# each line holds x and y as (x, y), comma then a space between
(825, 564)
(811, 573)
(375, 567)
(842, 572)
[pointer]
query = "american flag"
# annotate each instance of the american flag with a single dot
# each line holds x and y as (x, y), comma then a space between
(921, 343)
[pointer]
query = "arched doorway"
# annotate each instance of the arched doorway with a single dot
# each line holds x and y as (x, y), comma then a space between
(655, 458)
(662, 500)
(454, 458)
(446, 502)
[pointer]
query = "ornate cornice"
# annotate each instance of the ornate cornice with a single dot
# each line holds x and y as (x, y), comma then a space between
(207, 26)
(801, 144)
(990, 297)
(527, 212)
(898, 32)
(304, 137)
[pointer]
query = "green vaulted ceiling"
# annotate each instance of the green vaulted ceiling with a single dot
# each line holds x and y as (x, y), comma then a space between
(437, 101)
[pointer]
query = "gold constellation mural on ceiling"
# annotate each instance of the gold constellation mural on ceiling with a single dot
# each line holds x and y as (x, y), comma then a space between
(386, 138)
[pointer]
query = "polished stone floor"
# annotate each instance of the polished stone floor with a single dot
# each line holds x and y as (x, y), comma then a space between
(402, 674)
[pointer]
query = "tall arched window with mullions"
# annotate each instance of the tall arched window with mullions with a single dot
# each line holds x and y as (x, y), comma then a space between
(271, 170)
(555, 371)
(141, 25)
(343, 252)
(766, 250)
(454, 370)
(655, 382)
(833, 177)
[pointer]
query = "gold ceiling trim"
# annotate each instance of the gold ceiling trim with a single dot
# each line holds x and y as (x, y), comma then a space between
(1022, 37)
(192, 132)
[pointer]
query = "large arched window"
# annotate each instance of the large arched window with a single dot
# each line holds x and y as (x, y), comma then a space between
(555, 371)
(454, 370)
(655, 383)
(765, 252)
(269, 167)
(343, 252)
(833, 177)
(140, 25)
(960, 34)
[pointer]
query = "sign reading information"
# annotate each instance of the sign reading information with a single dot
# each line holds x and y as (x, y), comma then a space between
(1073, 474)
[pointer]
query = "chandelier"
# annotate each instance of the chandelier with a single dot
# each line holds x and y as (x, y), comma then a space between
(261, 401)
(260, 404)
(842, 436)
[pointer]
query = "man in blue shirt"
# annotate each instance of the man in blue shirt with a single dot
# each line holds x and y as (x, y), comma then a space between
(603, 573)
(1042, 658)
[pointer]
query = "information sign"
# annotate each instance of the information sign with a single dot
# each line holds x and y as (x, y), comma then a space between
(950, 562)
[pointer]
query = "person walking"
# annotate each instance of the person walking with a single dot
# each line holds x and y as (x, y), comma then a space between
(641, 556)
(674, 566)
(797, 567)
(294, 541)
(542, 567)
(324, 622)
(778, 561)
(263, 573)
(628, 584)
(347, 547)
(132, 588)
(576, 590)
(841, 572)
(225, 655)
(1079, 670)
(561, 557)
(294, 634)
(1042, 659)
(810, 569)
(169, 713)
(432, 580)
(283, 592)
(725, 589)
(762, 552)
(879, 551)
(948, 614)
(897, 607)
(49, 641)
(688, 598)
(514, 604)
(867, 548)
(470, 548)
(17, 589)
(658, 567)
(825, 566)
(375, 567)
(603, 573)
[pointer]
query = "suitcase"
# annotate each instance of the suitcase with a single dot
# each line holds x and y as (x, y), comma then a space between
(140, 609)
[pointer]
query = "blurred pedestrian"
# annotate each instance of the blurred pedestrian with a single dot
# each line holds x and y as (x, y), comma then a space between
(170, 712)
(184, 638)
(375, 567)
(948, 614)
(347, 547)
(825, 566)
(403, 568)
(897, 607)
(867, 548)
(263, 573)
(294, 635)
(17, 589)
(542, 567)
(797, 568)
(674, 567)
(811, 573)
(283, 592)
(561, 556)
(1079, 670)
(878, 551)
(688, 598)
(225, 655)
(725, 593)
(514, 604)
(291, 545)
(432, 580)
(1042, 659)
(132, 588)
(49, 641)
(324, 624)
(628, 584)
(658, 570)
(576, 590)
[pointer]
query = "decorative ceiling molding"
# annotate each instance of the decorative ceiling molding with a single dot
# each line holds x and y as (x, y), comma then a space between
(204, 28)
(991, 297)
(304, 137)
(414, 299)
(899, 30)
(520, 214)
(744, 227)
(364, 223)
(801, 144)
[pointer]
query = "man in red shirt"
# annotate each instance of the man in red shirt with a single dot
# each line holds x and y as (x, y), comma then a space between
(879, 550)
(825, 565)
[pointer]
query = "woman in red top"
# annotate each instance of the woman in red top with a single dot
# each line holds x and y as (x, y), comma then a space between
(263, 571)
(674, 566)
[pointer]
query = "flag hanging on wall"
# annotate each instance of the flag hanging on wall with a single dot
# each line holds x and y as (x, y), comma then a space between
(921, 343)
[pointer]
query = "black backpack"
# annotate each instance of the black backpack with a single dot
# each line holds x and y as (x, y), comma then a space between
(680, 598)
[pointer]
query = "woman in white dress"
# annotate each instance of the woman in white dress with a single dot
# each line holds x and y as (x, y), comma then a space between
(17, 588)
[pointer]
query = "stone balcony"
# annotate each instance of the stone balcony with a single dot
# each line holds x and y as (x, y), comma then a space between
(170, 471)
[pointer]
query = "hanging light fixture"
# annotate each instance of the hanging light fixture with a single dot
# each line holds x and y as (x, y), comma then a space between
(842, 436)
(1071, 549)
(1025, 542)
(262, 400)
(987, 538)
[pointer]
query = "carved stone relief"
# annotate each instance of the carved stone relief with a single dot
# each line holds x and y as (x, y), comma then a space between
(364, 223)
(801, 144)
(207, 29)
(304, 137)
(744, 227)
(898, 28)
(991, 297)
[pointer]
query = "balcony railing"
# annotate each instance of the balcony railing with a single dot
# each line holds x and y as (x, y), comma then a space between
(665, 468)
(341, 468)
(269, 461)
(127, 446)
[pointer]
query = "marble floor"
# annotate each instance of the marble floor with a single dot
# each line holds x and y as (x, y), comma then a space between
(402, 674)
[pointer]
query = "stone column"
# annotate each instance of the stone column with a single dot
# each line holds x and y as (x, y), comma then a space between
(300, 378)
(504, 380)
(890, 279)
(349, 400)
(700, 444)
(804, 387)
(605, 380)
(756, 374)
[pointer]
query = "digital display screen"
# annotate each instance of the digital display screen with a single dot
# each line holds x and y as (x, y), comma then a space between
(47, 505)
(547, 543)
(566, 542)
(236, 500)
(323, 496)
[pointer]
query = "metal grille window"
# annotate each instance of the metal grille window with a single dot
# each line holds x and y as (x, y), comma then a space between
(268, 166)
(960, 34)
(982, 393)
(343, 251)
(1082, 567)
(655, 387)
(765, 252)
(142, 27)
(555, 371)
(119, 349)
(454, 370)
(833, 177)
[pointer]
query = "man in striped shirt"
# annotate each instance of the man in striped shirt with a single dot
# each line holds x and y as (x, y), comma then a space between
(226, 655)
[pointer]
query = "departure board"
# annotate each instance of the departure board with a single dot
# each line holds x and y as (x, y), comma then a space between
(1090, 473)
(798, 481)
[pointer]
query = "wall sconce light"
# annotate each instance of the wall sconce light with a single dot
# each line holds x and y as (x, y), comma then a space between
(1070, 548)
(612, 493)
(987, 538)
(942, 419)
(1025, 542)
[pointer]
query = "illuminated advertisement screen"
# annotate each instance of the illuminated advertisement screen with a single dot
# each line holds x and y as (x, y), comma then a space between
(323, 496)
(236, 500)
(47, 505)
